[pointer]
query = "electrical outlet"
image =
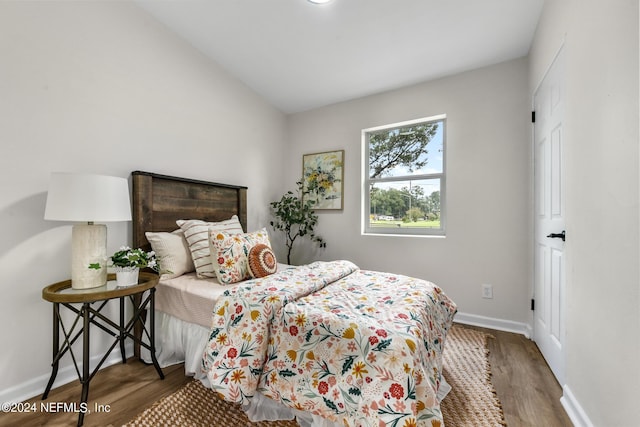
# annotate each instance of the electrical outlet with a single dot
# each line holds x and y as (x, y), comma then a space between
(487, 291)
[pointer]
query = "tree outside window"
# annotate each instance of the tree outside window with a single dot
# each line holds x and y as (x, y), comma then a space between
(404, 177)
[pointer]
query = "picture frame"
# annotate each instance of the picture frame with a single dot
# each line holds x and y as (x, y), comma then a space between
(323, 179)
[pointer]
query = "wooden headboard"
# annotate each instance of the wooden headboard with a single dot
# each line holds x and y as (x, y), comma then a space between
(160, 200)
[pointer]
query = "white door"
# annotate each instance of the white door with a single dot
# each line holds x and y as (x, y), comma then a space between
(549, 271)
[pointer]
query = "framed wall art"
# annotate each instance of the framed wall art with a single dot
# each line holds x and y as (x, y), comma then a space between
(322, 178)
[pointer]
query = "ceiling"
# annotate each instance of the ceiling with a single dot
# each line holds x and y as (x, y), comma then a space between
(301, 56)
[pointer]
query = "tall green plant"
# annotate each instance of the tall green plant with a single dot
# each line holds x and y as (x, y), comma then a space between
(295, 218)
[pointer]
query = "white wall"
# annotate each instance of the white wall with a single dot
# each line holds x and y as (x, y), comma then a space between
(100, 87)
(602, 184)
(488, 186)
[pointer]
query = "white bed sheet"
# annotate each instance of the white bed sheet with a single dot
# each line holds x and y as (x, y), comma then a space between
(189, 298)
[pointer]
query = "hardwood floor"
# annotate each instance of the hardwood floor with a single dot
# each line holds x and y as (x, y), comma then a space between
(127, 389)
(528, 391)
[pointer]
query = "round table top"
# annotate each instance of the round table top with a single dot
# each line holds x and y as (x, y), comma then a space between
(63, 292)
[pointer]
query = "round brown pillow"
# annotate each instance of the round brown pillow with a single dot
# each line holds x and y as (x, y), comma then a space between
(262, 261)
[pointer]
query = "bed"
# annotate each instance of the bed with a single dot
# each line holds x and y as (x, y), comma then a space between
(327, 343)
(184, 303)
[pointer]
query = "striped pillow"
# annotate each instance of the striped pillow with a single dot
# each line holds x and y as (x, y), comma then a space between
(197, 234)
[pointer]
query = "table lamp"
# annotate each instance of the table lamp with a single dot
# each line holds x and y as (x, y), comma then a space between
(88, 198)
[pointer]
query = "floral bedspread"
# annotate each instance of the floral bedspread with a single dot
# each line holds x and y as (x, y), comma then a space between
(360, 348)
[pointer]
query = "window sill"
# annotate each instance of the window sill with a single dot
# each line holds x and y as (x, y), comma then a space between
(427, 236)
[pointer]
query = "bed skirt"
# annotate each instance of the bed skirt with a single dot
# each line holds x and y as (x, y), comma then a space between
(178, 341)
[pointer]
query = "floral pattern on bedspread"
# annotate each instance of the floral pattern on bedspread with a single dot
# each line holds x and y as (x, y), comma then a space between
(357, 347)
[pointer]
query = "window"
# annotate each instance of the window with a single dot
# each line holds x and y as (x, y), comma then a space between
(404, 178)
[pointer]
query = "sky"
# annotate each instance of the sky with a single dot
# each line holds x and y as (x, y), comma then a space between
(434, 165)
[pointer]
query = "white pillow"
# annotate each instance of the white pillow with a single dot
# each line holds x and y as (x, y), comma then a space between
(172, 252)
(197, 234)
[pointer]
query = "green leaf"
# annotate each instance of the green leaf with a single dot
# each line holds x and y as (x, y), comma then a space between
(286, 373)
(382, 345)
(330, 405)
(348, 363)
(95, 266)
(237, 320)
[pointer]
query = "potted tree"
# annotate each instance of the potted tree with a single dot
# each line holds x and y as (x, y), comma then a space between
(295, 218)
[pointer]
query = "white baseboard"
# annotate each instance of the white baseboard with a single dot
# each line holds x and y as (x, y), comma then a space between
(66, 374)
(574, 410)
(493, 323)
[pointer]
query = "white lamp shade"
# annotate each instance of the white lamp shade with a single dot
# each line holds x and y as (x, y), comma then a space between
(87, 198)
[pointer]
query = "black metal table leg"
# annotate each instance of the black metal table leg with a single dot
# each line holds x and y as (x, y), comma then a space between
(85, 361)
(152, 332)
(56, 349)
(122, 330)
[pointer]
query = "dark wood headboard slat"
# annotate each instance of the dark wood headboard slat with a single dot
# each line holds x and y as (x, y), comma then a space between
(160, 200)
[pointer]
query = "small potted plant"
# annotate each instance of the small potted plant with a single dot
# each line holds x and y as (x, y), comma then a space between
(128, 262)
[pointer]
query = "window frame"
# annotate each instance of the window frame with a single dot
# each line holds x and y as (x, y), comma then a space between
(366, 228)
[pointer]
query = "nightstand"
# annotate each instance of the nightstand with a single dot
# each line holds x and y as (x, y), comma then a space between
(87, 314)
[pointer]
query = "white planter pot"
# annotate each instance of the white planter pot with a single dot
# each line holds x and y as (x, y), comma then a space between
(127, 276)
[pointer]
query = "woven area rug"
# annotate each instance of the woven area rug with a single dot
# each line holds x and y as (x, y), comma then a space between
(472, 401)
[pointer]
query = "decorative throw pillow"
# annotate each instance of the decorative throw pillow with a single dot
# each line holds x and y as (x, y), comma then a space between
(262, 261)
(197, 234)
(172, 252)
(231, 251)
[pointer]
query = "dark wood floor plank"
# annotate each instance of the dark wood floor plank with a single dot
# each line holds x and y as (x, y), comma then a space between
(123, 389)
(528, 391)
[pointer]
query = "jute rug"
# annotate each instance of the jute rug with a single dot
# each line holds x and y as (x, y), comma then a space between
(472, 401)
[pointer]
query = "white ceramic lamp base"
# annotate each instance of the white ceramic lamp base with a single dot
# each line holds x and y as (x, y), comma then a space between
(88, 248)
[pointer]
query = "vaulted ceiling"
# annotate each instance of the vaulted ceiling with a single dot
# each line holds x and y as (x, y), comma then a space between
(300, 55)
